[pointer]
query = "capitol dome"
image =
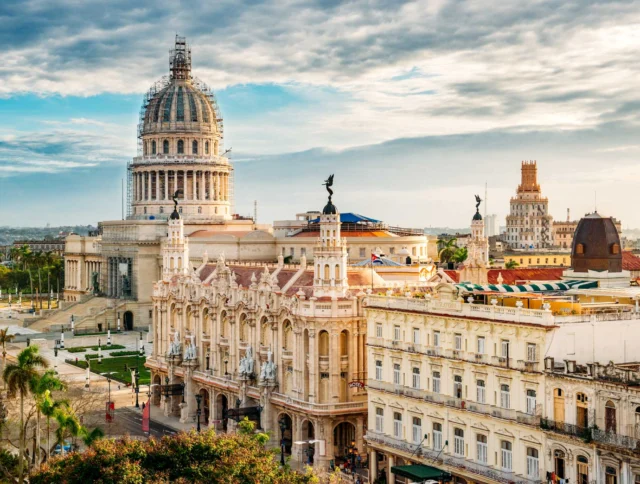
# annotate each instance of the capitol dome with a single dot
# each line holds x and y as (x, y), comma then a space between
(180, 142)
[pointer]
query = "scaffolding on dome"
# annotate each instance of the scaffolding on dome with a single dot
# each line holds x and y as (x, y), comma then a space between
(207, 91)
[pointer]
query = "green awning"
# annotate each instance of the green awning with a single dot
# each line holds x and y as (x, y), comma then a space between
(420, 472)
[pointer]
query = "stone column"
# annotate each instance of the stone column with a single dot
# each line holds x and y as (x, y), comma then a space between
(217, 185)
(373, 466)
(202, 175)
(313, 364)
(188, 409)
(210, 173)
(226, 187)
(195, 178)
(157, 185)
(175, 181)
(166, 185)
(391, 461)
(334, 367)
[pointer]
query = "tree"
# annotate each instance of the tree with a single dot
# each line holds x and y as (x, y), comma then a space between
(5, 338)
(41, 387)
(50, 409)
(183, 458)
(511, 264)
(68, 424)
(447, 249)
(89, 437)
(18, 377)
(460, 255)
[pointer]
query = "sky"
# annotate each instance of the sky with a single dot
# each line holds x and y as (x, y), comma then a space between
(413, 105)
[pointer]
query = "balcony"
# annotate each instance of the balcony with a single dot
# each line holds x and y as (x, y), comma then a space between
(287, 355)
(502, 361)
(453, 402)
(617, 440)
(529, 366)
(478, 358)
(564, 428)
(338, 408)
(448, 462)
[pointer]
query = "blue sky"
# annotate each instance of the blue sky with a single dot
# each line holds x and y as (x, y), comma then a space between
(414, 105)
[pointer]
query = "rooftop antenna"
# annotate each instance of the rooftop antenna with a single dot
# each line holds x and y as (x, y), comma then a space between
(595, 200)
(226, 151)
(122, 198)
(485, 202)
(255, 212)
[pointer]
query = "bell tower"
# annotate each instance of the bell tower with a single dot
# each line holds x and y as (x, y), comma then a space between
(330, 253)
(175, 249)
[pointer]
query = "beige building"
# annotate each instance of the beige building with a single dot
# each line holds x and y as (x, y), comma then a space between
(282, 344)
(529, 225)
(592, 422)
(455, 386)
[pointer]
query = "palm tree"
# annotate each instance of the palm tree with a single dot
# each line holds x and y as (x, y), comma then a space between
(511, 264)
(50, 409)
(5, 338)
(41, 387)
(460, 255)
(448, 249)
(67, 423)
(89, 437)
(18, 377)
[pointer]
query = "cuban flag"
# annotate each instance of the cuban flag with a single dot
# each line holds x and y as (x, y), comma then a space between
(375, 259)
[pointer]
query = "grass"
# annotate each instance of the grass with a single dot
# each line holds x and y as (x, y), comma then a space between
(115, 353)
(115, 366)
(82, 349)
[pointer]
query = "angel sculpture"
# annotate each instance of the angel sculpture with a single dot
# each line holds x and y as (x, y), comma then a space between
(328, 183)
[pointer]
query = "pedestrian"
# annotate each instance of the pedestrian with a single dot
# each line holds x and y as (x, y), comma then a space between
(358, 460)
(358, 481)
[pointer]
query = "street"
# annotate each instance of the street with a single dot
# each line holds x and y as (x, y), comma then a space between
(129, 421)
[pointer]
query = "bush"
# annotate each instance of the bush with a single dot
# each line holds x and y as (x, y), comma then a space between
(82, 349)
(184, 458)
(76, 350)
(124, 353)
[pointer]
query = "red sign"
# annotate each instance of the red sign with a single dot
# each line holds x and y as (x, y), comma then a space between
(146, 416)
(111, 410)
(356, 384)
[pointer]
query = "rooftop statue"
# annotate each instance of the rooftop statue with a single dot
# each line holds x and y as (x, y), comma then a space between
(175, 199)
(330, 208)
(478, 202)
(329, 183)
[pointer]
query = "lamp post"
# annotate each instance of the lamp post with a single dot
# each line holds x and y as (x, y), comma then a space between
(118, 328)
(283, 427)
(137, 376)
(55, 352)
(198, 411)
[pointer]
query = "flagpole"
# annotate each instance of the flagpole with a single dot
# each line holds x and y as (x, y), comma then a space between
(371, 262)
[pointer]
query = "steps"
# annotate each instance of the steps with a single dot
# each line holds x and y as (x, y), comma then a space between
(79, 311)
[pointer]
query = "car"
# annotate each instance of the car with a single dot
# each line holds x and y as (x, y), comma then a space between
(57, 449)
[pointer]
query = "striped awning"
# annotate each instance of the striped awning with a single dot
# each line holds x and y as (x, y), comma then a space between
(533, 287)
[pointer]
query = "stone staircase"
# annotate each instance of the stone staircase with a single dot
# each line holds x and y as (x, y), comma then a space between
(62, 317)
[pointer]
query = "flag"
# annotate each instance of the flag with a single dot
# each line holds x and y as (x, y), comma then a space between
(375, 259)
(146, 416)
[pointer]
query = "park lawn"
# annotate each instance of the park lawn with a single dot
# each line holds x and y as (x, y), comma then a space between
(115, 366)
(81, 349)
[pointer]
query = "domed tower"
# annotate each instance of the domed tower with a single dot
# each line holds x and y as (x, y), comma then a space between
(180, 134)
(596, 254)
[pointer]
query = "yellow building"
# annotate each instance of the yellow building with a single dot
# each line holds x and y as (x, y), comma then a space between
(539, 259)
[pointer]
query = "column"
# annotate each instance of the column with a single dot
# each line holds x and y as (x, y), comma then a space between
(210, 173)
(157, 185)
(202, 187)
(218, 186)
(195, 178)
(226, 187)
(145, 184)
(373, 466)
(391, 461)
(334, 367)
(313, 362)
(166, 185)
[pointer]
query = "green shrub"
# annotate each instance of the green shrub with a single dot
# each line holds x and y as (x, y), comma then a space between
(79, 349)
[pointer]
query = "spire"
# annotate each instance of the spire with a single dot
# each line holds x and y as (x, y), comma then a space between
(180, 59)
(529, 177)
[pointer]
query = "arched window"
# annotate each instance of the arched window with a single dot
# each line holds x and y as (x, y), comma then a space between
(161, 209)
(481, 448)
(165, 147)
(505, 399)
(416, 430)
(180, 147)
(194, 147)
(558, 460)
(415, 382)
(327, 272)
(437, 436)
(397, 425)
(337, 273)
(611, 475)
(206, 147)
(153, 147)
(579, 248)
(615, 249)
(199, 209)
(582, 419)
(582, 469)
(610, 417)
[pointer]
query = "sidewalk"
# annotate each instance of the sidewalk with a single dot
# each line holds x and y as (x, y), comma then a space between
(157, 415)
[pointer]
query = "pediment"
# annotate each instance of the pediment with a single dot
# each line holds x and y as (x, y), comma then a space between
(395, 404)
(504, 432)
(377, 400)
(531, 438)
(415, 410)
(457, 420)
(436, 415)
(480, 426)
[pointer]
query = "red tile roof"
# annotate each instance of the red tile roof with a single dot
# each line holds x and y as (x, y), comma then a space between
(516, 276)
(630, 262)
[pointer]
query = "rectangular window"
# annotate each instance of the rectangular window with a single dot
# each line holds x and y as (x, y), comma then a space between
(458, 442)
(533, 466)
(379, 370)
(507, 462)
(504, 345)
(531, 402)
(415, 379)
(416, 430)
(392, 250)
(396, 374)
(436, 338)
(458, 341)
(531, 352)
(481, 453)
(505, 399)
(396, 333)
(397, 425)
(437, 436)
(436, 382)
(378, 330)
(379, 420)
(480, 391)
(481, 345)
(363, 252)
(416, 336)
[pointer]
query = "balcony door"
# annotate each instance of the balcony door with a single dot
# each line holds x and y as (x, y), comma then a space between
(558, 405)
(610, 417)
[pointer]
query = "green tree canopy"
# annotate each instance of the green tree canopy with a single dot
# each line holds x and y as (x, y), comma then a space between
(183, 458)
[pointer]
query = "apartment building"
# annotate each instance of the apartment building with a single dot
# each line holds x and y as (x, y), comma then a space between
(455, 387)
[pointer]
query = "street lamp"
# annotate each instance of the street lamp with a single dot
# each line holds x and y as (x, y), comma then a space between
(137, 376)
(55, 352)
(283, 427)
(198, 411)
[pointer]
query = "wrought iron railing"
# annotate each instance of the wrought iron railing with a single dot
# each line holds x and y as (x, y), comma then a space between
(564, 428)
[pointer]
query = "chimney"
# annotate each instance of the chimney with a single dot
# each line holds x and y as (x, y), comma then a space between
(548, 363)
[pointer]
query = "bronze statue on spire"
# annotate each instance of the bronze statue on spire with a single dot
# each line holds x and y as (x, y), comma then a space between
(330, 208)
(329, 183)
(478, 202)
